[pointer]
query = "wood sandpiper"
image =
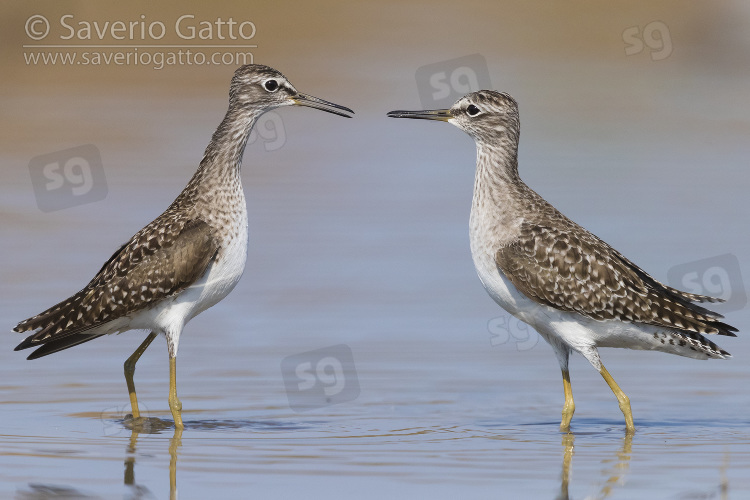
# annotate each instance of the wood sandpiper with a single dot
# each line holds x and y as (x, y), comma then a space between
(578, 292)
(188, 258)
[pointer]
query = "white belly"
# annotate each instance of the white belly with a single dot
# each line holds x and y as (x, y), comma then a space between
(502, 290)
(220, 278)
(573, 330)
(222, 275)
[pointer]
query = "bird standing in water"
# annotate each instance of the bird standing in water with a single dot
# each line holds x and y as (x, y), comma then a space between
(186, 260)
(578, 292)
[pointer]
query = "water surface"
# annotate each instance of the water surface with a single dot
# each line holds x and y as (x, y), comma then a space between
(358, 236)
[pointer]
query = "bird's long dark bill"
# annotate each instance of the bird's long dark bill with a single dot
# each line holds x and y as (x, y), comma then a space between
(442, 115)
(314, 102)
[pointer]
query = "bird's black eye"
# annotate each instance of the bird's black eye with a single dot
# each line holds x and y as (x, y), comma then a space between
(271, 85)
(472, 110)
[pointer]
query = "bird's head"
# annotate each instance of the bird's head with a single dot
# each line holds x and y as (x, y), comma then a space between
(258, 86)
(486, 115)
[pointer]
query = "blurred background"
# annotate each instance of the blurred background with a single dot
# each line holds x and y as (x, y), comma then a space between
(635, 123)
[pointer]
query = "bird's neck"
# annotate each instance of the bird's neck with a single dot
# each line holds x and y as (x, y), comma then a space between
(499, 193)
(222, 160)
(228, 142)
(497, 183)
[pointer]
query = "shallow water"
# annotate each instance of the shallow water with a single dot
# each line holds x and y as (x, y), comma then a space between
(439, 421)
(359, 247)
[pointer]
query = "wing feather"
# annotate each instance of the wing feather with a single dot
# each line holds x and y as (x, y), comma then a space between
(573, 270)
(161, 260)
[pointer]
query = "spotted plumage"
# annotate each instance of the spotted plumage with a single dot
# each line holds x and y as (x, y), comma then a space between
(577, 291)
(186, 260)
(568, 268)
(160, 261)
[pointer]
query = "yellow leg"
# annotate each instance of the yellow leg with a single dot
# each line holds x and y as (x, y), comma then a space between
(130, 371)
(569, 407)
(174, 403)
(621, 398)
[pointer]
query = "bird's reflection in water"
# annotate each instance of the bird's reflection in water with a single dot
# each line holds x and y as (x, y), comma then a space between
(153, 425)
(174, 445)
(615, 474)
(567, 442)
(150, 426)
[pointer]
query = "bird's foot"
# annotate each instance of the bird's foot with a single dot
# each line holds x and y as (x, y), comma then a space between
(567, 415)
(175, 405)
(146, 425)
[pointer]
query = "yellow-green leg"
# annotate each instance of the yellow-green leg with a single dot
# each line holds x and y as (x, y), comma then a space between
(174, 404)
(621, 398)
(130, 371)
(569, 407)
